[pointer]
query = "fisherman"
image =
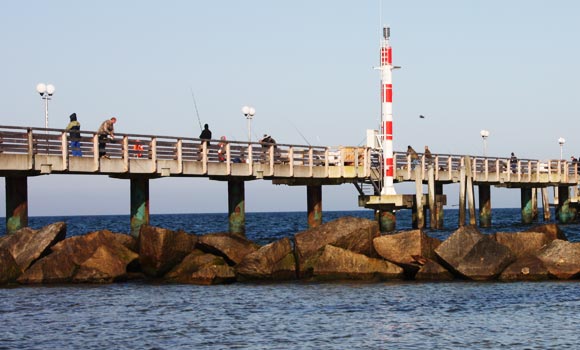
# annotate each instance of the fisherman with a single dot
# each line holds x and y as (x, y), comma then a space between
(106, 132)
(413, 156)
(266, 142)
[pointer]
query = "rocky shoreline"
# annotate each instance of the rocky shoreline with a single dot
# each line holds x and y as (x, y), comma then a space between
(344, 249)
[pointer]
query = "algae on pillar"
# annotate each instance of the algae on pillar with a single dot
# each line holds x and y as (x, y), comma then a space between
(314, 204)
(236, 207)
(139, 204)
(526, 206)
(484, 206)
(566, 214)
(16, 203)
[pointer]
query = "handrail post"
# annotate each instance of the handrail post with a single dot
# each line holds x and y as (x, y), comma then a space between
(154, 154)
(125, 152)
(179, 151)
(30, 140)
(271, 156)
(64, 150)
(250, 160)
(310, 161)
(204, 156)
(96, 159)
(291, 160)
(228, 159)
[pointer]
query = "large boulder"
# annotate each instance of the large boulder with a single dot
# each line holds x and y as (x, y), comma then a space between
(96, 257)
(350, 233)
(562, 259)
(231, 247)
(473, 255)
(9, 269)
(523, 244)
(527, 268)
(201, 268)
(333, 263)
(400, 248)
(27, 245)
(274, 261)
(161, 249)
(552, 231)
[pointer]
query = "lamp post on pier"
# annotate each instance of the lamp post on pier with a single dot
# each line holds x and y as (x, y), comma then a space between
(46, 92)
(249, 113)
(484, 135)
(561, 141)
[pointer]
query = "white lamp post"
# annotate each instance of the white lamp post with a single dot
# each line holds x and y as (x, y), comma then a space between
(561, 141)
(45, 92)
(249, 113)
(484, 135)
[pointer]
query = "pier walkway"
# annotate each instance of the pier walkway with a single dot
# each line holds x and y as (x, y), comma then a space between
(27, 151)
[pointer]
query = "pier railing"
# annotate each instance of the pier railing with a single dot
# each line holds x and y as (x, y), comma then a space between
(48, 150)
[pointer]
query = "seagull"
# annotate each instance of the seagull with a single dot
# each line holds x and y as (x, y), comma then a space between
(421, 116)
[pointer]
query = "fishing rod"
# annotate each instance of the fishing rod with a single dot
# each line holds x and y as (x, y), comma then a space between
(196, 110)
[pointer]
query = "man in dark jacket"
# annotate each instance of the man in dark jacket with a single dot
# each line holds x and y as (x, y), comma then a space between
(74, 128)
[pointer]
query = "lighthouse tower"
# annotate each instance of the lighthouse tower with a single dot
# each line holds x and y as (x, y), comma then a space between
(386, 135)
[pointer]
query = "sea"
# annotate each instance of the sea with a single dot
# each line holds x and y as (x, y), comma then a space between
(291, 315)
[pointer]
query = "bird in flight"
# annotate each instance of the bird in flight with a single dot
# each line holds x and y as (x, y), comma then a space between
(421, 116)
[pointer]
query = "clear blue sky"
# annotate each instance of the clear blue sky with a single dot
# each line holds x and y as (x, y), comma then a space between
(507, 66)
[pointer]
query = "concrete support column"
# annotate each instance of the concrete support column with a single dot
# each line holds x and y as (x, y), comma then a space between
(314, 203)
(546, 204)
(534, 204)
(566, 214)
(526, 203)
(418, 210)
(387, 219)
(461, 197)
(484, 206)
(139, 204)
(439, 202)
(431, 196)
(16, 203)
(236, 208)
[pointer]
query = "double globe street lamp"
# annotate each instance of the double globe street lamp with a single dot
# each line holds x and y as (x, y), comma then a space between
(249, 113)
(46, 91)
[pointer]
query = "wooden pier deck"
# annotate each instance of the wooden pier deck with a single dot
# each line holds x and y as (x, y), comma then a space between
(27, 151)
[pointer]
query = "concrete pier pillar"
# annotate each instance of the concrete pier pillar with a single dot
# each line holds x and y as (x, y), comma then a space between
(16, 203)
(431, 192)
(418, 210)
(546, 204)
(387, 219)
(461, 197)
(526, 205)
(439, 203)
(139, 204)
(534, 204)
(314, 203)
(484, 205)
(470, 191)
(565, 213)
(236, 208)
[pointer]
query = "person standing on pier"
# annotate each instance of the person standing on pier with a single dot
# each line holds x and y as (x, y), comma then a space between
(513, 163)
(414, 157)
(74, 128)
(106, 132)
(204, 136)
(428, 156)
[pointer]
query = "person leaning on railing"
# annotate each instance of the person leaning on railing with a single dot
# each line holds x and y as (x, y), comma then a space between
(106, 132)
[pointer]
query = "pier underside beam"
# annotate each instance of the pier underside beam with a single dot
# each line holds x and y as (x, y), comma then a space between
(139, 204)
(526, 206)
(565, 213)
(546, 204)
(484, 205)
(314, 204)
(236, 207)
(16, 203)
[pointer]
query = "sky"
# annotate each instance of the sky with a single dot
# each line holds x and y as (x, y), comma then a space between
(509, 67)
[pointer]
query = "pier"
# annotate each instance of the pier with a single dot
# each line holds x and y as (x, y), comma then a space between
(28, 151)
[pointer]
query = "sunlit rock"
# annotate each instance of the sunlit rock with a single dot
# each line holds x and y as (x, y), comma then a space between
(231, 247)
(274, 261)
(161, 249)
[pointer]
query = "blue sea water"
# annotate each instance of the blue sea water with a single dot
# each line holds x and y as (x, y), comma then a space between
(296, 315)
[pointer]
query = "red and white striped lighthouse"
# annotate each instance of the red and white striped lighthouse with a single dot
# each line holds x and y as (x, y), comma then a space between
(386, 134)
